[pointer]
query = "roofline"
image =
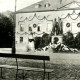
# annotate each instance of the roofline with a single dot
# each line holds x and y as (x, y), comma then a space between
(48, 10)
(66, 4)
(35, 11)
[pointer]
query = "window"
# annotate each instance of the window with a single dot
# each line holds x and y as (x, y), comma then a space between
(47, 5)
(21, 39)
(21, 28)
(30, 29)
(38, 28)
(49, 27)
(37, 5)
(67, 27)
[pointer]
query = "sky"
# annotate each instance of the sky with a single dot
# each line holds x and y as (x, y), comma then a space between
(10, 4)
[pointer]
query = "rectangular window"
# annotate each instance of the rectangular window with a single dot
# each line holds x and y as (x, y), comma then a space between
(38, 28)
(49, 27)
(75, 29)
(21, 28)
(30, 29)
(21, 39)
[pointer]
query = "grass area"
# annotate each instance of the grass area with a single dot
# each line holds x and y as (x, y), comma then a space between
(61, 71)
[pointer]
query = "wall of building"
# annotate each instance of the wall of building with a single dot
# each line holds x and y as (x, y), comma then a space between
(43, 19)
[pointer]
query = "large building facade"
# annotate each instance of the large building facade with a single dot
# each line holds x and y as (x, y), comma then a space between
(39, 18)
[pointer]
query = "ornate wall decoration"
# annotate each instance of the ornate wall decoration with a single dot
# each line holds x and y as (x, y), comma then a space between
(49, 17)
(70, 15)
(67, 24)
(34, 25)
(30, 17)
(25, 33)
(78, 24)
(35, 15)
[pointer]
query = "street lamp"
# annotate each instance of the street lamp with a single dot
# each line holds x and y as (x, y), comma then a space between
(13, 43)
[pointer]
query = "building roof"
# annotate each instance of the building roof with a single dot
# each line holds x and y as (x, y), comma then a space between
(51, 5)
(72, 5)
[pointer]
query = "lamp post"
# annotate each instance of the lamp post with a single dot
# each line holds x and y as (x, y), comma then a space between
(13, 43)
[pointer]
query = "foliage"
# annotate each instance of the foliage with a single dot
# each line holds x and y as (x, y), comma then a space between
(77, 41)
(37, 42)
(6, 31)
(68, 40)
(46, 39)
(42, 41)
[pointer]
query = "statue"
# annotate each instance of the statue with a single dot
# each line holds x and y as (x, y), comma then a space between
(55, 29)
(60, 25)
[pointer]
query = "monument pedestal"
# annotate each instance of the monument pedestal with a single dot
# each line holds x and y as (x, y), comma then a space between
(57, 36)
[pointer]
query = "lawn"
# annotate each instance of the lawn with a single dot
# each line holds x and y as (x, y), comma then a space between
(61, 71)
(66, 66)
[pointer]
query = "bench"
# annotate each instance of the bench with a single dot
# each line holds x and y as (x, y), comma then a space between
(33, 57)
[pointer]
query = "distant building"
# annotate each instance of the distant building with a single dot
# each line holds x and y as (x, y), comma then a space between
(39, 18)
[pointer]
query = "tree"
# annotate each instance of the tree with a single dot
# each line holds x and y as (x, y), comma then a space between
(6, 31)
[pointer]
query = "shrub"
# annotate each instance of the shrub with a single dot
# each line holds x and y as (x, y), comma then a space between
(68, 40)
(42, 41)
(77, 41)
(37, 42)
(6, 32)
(46, 39)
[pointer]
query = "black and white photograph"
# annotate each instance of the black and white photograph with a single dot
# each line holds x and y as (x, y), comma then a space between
(39, 39)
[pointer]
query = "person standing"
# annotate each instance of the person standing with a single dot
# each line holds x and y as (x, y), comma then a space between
(31, 46)
(60, 25)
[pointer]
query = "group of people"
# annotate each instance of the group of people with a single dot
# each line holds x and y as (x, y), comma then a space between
(56, 46)
(59, 47)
